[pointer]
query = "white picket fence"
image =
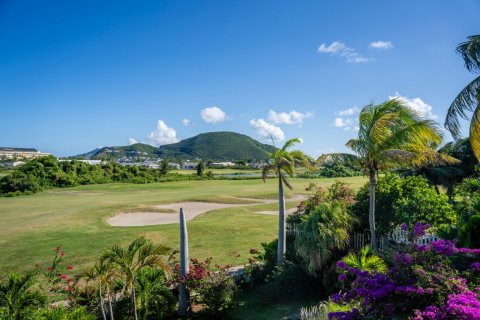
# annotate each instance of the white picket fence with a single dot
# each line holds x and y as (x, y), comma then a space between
(361, 239)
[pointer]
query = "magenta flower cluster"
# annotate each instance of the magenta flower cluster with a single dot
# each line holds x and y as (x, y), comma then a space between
(462, 306)
(421, 283)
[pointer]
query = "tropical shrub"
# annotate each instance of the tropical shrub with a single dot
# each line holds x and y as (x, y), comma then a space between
(469, 193)
(20, 295)
(208, 285)
(337, 192)
(63, 313)
(422, 283)
(153, 297)
(404, 200)
(323, 235)
(469, 235)
(365, 260)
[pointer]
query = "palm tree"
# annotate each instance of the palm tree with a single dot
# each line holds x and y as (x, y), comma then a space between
(283, 163)
(20, 295)
(469, 98)
(103, 274)
(139, 254)
(392, 135)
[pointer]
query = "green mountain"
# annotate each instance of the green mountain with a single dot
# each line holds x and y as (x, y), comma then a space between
(220, 146)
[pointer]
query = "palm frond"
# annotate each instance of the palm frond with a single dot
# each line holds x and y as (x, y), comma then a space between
(475, 130)
(290, 143)
(470, 52)
(266, 170)
(466, 101)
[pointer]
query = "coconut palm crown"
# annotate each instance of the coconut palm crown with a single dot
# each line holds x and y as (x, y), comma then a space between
(391, 135)
(468, 100)
(282, 164)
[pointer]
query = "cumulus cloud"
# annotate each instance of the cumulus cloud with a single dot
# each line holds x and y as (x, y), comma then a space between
(417, 104)
(162, 135)
(381, 45)
(267, 130)
(292, 117)
(349, 54)
(186, 122)
(212, 115)
(132, 141)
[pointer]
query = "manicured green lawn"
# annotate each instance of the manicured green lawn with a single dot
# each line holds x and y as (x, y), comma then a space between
(75, 218)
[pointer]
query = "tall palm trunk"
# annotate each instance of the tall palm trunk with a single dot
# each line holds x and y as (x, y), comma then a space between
(371, 211)
(109, 297)
(282, 245)
(102, 303)
(134, 300)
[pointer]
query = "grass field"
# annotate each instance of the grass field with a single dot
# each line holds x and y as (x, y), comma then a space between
(75, 218)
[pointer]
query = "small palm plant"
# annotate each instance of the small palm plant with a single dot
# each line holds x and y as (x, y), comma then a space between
(139, 254)
(103, 274)
(283, 163)
(365, 260)
(20, 295)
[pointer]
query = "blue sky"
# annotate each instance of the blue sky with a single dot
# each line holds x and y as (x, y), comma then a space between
(80, 74)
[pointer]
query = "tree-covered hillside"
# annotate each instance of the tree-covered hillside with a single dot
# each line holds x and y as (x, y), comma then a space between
(210, 146)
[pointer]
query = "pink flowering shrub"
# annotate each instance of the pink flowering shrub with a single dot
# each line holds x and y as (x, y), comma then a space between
(208, 285)
(421, 283)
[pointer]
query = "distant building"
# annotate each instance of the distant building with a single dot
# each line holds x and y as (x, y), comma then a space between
(222, 164)
(150, 164)
(7, 153)
(189, 165)
(172, 165)
(14, 164)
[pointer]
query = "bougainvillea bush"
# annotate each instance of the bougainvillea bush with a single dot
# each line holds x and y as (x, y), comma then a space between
(421, 284)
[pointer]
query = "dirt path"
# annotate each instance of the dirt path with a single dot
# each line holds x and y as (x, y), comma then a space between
(191, 210)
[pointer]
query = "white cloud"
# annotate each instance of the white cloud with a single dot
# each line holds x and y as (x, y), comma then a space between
(340, 122)
(186, 122)
(162, 135)
(349, 54)
(267, 130)
(333, 48)
(132, 141)
(213, 115)
(381, 45)
(349, 111)
(292, 117)
(417, 104)
(347, 124)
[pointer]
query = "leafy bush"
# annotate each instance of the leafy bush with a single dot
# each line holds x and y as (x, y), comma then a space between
(20, 295)
(404, 200)
(337, 192)
(469, 192)
(323, 235)
(207, 285)
(422, 283)
(469, 235)
(63, 313)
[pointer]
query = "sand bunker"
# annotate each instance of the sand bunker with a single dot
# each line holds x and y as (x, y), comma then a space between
(191, 209)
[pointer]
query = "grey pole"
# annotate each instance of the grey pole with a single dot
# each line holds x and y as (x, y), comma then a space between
(183, 299)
